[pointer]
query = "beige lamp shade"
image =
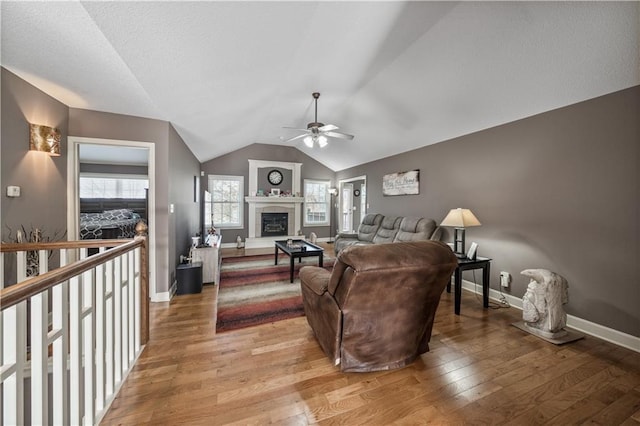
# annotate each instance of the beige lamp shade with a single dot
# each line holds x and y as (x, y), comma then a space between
(460, 218)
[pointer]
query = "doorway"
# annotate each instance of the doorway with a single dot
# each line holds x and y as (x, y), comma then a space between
(73, 190)
(346, 212)
(352, 203)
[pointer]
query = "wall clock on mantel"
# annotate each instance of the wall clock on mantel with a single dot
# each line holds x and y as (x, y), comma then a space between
(275, 177)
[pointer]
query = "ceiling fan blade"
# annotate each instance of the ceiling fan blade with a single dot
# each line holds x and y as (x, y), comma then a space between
(328, 128)
(295, 137)
(338, 135)
(296, 128)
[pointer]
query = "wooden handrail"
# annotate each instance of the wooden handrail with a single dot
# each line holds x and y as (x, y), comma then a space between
(59, 245)
(20, 292)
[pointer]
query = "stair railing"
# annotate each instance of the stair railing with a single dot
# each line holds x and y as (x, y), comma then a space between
(77, 329)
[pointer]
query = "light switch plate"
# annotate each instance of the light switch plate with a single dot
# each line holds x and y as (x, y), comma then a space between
(13, 191)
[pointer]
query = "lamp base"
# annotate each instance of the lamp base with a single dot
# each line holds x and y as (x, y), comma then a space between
(461, 255)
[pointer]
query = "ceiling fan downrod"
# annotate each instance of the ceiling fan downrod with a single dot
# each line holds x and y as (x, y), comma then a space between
(315, 123)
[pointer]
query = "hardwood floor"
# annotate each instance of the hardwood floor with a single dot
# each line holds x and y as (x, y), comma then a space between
(480, 370)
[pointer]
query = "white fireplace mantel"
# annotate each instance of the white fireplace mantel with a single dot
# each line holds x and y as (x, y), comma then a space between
(274, 200)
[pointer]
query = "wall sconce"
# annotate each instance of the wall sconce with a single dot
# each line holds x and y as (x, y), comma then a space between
(44, 139)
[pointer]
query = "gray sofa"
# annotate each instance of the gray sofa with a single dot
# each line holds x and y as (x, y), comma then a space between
(378, 229)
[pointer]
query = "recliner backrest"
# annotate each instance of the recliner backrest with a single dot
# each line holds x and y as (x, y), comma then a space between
(369, 226)
(387, 230)
(416, 229)
(388, 295)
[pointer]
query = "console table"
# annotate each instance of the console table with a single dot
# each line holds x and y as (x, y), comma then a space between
(210, 258)
(483, 263)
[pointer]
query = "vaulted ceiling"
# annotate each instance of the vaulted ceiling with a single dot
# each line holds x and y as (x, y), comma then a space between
(397, 75)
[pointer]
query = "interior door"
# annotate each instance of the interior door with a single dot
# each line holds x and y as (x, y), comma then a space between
(346, 202)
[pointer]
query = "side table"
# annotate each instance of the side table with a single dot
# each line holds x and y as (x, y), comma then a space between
(483, 263)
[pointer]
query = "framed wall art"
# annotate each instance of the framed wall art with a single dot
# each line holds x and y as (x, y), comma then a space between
(401, 183)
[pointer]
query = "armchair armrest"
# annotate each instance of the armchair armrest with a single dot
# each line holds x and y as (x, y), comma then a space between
(437, 234)
(315, 279)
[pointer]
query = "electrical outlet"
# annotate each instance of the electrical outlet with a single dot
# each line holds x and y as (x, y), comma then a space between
(505, 279)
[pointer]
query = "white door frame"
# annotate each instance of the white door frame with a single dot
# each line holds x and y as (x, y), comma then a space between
(341, 182)
(73, 205)
(346, 212)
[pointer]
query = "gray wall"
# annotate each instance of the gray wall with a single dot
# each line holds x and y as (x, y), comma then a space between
(560, 191)
(236, 163)
(185, 221)
(103, 125)
(174, 179)
(42, 178)
(263, 181)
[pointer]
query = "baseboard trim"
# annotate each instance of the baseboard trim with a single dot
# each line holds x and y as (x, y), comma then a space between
(591, 328)
(165, 296)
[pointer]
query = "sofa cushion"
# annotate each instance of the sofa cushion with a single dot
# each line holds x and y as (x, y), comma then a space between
(415, 229)
(387, 230)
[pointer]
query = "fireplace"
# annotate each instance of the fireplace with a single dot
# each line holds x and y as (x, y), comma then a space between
(275, 224)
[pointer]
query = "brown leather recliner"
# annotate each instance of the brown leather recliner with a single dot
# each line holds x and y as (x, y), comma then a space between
(375, 310)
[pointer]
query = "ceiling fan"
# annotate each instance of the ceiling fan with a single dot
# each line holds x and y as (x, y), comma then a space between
(317, 132)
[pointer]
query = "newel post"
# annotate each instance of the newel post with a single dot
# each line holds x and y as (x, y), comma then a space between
(141, 234)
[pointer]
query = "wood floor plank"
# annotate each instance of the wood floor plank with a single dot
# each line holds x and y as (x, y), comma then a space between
(480, 370)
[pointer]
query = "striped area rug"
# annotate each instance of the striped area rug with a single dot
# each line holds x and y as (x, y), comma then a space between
(255, 291)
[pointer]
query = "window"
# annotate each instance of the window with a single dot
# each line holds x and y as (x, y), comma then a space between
(227, 201)
(316, 202)
(113, 186)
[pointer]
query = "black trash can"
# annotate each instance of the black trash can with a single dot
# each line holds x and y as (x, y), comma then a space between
(189, 277)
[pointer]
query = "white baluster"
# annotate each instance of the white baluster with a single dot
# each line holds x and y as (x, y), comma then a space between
(100, 336)
(109, 318)
(125, 313)
(60, 308)
(39, 350)
(133, 325)
(136, 302)
(117, 323)
(87, 333)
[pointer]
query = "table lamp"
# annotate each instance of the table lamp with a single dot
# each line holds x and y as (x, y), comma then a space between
(460, 219)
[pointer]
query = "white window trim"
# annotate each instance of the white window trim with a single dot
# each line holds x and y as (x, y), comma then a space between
(327, 222)
(240, 200)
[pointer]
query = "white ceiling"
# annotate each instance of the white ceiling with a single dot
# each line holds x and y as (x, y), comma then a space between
(397, 75)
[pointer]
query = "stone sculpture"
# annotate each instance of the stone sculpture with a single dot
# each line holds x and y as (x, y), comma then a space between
(542, 309)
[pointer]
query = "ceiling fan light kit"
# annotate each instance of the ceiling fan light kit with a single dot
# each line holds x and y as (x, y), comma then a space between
(317, 132)
(320, 139)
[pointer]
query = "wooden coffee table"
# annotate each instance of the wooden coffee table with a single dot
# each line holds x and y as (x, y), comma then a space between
(298, 249)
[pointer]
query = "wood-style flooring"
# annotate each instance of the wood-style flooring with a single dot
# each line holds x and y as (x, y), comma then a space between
(480, 370)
